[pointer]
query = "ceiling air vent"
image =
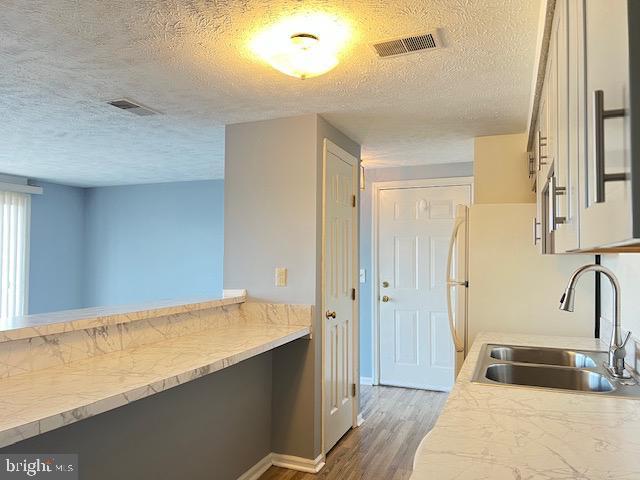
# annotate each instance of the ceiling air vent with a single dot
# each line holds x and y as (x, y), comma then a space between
(132, 107)
(402, 46)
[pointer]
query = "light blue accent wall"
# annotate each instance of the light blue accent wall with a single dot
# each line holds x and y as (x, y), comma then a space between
(153, 242)
(130, 244)
(56, 249)
(366, 255)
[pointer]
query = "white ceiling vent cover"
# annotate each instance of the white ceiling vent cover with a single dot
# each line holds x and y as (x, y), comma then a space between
(132, 107)
(402, 46)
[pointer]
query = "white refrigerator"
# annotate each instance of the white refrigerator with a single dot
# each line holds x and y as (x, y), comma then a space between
(498, 281)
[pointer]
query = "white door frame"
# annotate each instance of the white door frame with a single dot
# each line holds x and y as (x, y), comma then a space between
(329, 145)
(377, 187)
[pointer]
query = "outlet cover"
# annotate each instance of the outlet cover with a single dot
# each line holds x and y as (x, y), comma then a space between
(281, 277)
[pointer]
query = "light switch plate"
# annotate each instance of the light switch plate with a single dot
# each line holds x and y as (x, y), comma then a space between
(281, 277)
(363, 275)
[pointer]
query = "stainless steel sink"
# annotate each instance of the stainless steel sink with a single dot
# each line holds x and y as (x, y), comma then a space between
(553, 368)
(549, 377)
(543, 356)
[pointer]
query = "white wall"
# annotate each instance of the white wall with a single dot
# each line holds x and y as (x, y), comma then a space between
(626, 266)
(501, 169)
(513, 288)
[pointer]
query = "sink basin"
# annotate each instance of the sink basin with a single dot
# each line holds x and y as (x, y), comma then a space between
(549, 377)
(580, 371)
(543, 356)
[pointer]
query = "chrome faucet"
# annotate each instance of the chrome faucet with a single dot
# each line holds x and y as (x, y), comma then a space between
(617, 350)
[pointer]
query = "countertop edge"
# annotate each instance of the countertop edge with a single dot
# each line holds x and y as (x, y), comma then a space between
(119, 315)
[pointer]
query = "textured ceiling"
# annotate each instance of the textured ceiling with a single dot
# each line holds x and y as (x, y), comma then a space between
(61, 60)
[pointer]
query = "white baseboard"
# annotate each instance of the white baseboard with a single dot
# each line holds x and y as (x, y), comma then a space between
(258, 469)
(366, 381)
(284, 461)
(298, 463)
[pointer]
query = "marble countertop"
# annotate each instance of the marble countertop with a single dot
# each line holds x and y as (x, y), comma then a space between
(29, 326)
(36, 402)
(506, 432)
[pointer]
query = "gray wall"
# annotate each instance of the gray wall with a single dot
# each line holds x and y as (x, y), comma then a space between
(273, 217)
(270, 204)
(366, 255)
(270, 208)
(216, 427)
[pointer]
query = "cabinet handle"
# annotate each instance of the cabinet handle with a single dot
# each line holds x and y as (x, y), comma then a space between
(535, 231)
(542, 142)
(532, 167)
(599, 116)
(555, 191)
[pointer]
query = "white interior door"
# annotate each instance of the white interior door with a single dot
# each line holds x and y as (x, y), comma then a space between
(415, 227)
(340, 314)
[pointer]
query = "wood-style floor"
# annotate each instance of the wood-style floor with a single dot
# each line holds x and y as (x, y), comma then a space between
(396, 420)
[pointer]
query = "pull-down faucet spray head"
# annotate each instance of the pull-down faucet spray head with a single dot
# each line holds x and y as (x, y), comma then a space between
(568, 298)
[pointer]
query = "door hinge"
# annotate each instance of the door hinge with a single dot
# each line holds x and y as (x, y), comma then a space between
(353, 389)
(353, 294)
(353, 200)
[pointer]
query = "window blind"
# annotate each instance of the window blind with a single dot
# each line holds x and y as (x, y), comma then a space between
(15, 210)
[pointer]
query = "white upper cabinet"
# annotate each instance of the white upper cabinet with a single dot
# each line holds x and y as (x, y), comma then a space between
(584, 135)
(551, 139)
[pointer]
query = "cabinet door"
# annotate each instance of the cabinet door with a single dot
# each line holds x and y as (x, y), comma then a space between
(542, 132)
(551, 103)
(565, 37)
(537, 227)
(540, 147)
(552, 189)
(606, 207)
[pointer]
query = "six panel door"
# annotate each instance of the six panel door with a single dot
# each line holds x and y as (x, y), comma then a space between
(415, 226)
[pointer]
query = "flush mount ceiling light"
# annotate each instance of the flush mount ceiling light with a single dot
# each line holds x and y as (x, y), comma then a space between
(303, 46)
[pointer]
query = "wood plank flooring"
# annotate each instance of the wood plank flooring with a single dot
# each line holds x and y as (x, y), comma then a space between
(396, 420)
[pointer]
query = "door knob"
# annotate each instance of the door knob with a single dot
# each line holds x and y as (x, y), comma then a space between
(385, 284)
(330, 314)
(385, 299)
